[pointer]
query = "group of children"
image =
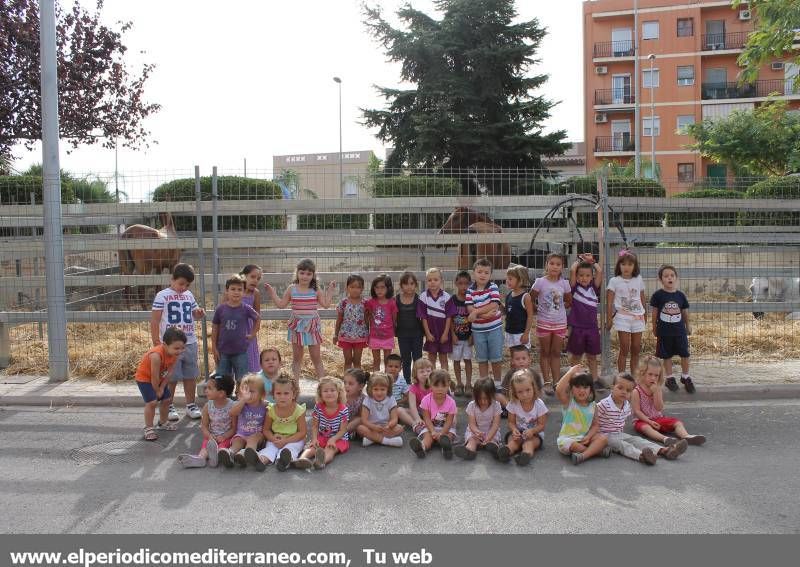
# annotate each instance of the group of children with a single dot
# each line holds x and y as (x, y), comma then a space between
(267, 425)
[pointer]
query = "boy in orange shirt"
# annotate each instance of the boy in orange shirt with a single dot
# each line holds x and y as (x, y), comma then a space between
(152, 377)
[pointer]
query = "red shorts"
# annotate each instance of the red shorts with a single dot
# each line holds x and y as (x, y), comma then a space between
(224, 445)
(667, 424)
(348, 343)
(342, 444)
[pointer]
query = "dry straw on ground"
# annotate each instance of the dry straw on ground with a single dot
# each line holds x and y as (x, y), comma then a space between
(110, 352)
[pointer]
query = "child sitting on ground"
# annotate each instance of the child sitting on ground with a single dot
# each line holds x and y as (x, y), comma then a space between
(379, 414)
(284, 427)
(439, 415)
(354, 381)
(483, 426)
(579, 436)
(527, 417)
(249, 413)
(216, 423)
(329, 435)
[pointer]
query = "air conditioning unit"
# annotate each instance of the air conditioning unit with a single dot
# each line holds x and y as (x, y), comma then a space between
(600, 70)
(777, 66)
(745, 15)
(600, 118)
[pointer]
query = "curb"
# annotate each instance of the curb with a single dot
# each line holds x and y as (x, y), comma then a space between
(742, 392)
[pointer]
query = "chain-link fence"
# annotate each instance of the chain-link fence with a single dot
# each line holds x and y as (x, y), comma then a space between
(735, 245)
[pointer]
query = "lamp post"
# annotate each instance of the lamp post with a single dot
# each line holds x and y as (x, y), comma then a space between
(338, 81)
(652, 58)
(637, 95)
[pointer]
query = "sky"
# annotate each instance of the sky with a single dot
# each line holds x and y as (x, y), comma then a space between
(247, 79)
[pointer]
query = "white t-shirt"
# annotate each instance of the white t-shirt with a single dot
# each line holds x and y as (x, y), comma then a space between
(176, 311)
(527, 419)
(627, 296)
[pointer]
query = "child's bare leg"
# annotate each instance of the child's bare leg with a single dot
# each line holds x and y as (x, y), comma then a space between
(680, 431)
(395, 431)
(348, 357)
(189, 390)
(353, 424)
(443, 362)
(374, 436)
(203, 453)
(555, 357)
(457, 372)
(150, 413)
(472, 444)
(594, 448)
(667, 367)
(575, 359)
(468, 374)
(330, 453)
(530, 445)
(591, 359)
(316, 358)
(432, 358)
(636, 348)
(253, 441)
(624, 349)
(497, 371)
(386, 353)
(544, 357)
(308, 453)
(163, 410)
(376, 360)
(237, 444)
(357, 357)
(427, 441)
(297, 361)
(483, 369)
(685, 365)
(404, 417)
(651, 433)
(514, 445)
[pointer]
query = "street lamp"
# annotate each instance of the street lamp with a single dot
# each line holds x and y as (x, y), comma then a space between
(338, 81)
(652, 57)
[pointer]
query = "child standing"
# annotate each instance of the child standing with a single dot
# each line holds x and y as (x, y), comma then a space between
(585, 279)
(580, 436)
(252, 297)
(249, 413)
(647, 405)
(671, 327)
(381, 314)
(354, 381)
(379, 414)
(461, 334)
(304, 328)
(483, 426)
(229, 334)
(553, 297)
(611, 413)
(519, 307)
(329, 420)
(216, 424)
(625, 308)
(409, 328)
(284, 427)
(176, 308)
(270, 370)
(439, 416)
(432, 310)
(351, 323)
(483, 303)
(152, 378)
(527, 417)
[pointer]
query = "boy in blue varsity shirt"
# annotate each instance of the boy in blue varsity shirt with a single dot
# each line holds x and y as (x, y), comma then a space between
(175, 307)
(483, 303)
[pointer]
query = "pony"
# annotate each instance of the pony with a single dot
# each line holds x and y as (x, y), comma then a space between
(466, 220)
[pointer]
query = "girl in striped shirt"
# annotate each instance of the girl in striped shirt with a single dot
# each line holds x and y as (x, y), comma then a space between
(304, 325)
(329, 434)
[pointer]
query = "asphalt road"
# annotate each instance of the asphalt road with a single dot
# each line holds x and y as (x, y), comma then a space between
(82, 470)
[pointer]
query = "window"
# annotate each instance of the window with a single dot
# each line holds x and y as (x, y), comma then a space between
(685, 75)
(685, 172)
(350, 188)
(650, 79)
(685, 27)
(684, 121)
(646, 126)
(650, 30)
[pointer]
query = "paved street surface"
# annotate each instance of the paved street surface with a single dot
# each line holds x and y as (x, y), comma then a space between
(79, 470)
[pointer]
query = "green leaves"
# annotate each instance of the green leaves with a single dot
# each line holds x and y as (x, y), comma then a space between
(777, 22)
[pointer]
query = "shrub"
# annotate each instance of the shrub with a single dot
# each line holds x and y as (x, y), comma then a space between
(617, 187)
(405, 186)
(774, 188)
(17, 189)
(705, 218)
(228, 188)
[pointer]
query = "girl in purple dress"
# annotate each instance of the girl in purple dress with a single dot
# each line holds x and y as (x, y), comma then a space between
(252, 297)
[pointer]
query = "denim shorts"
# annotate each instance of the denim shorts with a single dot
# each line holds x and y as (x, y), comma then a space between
(149, 393)
(235, 364)
(488, 345)
(186, 367)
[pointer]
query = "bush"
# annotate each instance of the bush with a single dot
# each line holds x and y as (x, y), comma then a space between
(405, 186)
(705, 218)
(617, 187)
(16, 189)
(229, 189)
(332, 222)
(774, 188)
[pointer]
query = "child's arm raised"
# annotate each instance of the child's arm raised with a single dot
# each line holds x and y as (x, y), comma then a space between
(598, 274)
(573, 273)
(280, 302)
(237, 408)
(562, 387)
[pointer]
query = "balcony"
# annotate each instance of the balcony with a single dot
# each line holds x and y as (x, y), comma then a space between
(614, 49)
(614, 96)
(717, 41)
(758, 89)
(618, 143)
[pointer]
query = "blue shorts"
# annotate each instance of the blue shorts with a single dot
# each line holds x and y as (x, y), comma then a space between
(235, 364)
(149, 393)
(667, 347)
(186, 367)
(488, 345)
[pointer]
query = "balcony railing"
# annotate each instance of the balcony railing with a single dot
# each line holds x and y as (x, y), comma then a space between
(622, 48)
(614, 96)
(734, 40)
(618, 143)
(717, 91)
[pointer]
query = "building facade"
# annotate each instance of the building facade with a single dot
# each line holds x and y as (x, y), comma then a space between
(318, 175)
(687, 52)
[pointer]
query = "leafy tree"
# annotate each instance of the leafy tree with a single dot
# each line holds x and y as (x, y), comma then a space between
(472, 104)
(87, 189)
(777, 25)
(763, 141)
(96, 90)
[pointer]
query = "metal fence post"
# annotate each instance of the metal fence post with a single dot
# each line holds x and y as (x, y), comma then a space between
(201, 265)
(215, 234)
(605, 261)
(37, 294)
(51, 199)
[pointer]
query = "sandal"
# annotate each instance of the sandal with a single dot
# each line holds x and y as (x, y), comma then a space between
(548, 388)
(150, 434)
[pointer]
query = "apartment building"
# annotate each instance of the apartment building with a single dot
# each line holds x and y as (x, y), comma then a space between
(318, 174)
(687, 51)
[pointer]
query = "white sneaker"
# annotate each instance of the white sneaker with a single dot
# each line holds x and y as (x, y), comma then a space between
(173, 413)
(393, 441)
(193, 411)
(366, 442)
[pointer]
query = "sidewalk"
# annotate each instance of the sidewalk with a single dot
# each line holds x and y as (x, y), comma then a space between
(714, 383)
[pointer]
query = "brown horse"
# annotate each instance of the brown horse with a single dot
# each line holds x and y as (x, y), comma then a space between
(466, 220)
(145, 261)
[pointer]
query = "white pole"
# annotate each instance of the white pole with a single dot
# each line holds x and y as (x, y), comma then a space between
(341, 176)
(637, 142)
(51, 189)
(652, 58)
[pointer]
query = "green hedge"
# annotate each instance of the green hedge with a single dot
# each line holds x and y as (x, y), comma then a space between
(617, 187)
(332, 222)
(705, 218)
(774, 188)
(16, 189)
(387, 187)
(229, 189)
